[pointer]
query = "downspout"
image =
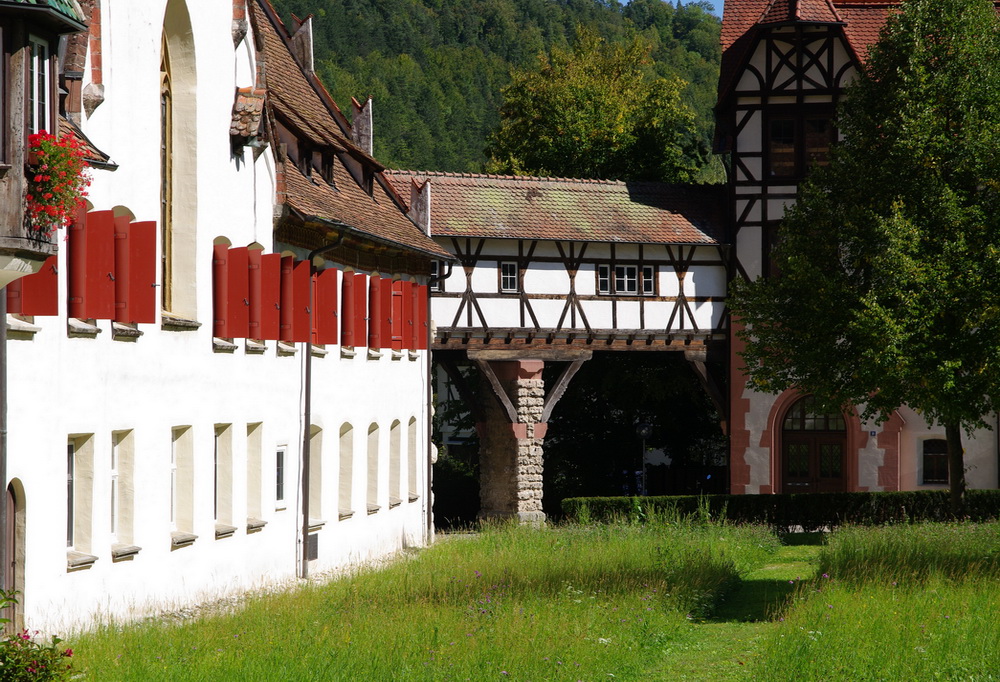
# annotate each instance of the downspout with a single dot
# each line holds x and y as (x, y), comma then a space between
(4, 549)
(307, 397)
(431, 282)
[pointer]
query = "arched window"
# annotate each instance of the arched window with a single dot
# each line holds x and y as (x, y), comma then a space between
(166, 173)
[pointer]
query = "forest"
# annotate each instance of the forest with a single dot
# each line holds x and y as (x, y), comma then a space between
(435, 69)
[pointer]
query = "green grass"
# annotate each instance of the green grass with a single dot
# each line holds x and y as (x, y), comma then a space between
(661, 600)
(594, 602)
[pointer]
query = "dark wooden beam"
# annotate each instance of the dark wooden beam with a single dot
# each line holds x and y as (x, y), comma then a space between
(560, 388)
(462, 386)
(498, 391)
(550, 353)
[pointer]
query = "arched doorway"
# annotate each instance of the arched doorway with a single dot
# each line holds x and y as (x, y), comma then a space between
(813, 447)
(14, 575)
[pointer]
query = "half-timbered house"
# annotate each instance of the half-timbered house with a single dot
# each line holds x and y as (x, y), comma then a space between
(221, 379)
(785, 66)
(553, 270)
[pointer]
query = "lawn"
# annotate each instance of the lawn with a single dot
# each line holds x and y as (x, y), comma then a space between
(660, 600)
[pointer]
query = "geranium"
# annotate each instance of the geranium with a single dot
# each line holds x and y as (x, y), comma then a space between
(58, 178)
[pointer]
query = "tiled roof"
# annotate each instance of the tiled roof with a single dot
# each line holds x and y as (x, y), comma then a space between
(517, 207)
(303, 102)
(67, 8)
(94, 156)
(248, 110)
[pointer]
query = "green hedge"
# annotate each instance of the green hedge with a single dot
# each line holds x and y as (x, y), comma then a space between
(810, 511)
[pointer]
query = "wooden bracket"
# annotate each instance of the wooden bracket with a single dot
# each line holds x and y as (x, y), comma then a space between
(501, 395)
(697, 359)
(560, 388)
(464, 390)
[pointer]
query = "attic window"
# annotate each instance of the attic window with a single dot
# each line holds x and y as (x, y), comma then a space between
(328, 167)
(305, 159)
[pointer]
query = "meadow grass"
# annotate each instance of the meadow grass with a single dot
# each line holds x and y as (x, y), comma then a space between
(893, 603)
(576, 602)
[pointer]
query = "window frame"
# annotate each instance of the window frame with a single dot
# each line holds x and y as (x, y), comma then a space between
(801, 160)
(39, 89)
(940, 459)
(509, 281)
(279, 476)
(626, 279)
(115, 489)
(70, 493)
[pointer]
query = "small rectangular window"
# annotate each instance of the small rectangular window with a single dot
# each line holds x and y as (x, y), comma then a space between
(70, 490)
(279, 475)
(436, 284)
(508, 277)
(781, 147)
(626, 279)
(115, 441)
(935, 460)
(819, 136)
(648, 280)
(604, 279)
(39, 86)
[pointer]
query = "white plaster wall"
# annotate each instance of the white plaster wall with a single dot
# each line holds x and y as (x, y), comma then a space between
(546, 278)
(61, 385)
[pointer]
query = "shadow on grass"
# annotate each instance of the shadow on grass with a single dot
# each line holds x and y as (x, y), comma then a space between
(763, 595)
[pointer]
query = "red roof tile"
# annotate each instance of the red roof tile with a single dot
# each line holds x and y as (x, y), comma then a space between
(301, 100)
(247, 112)
(517, 207)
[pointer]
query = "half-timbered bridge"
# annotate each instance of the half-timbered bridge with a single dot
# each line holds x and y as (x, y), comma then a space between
(551, 270)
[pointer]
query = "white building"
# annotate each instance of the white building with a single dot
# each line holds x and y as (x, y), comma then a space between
(161, 385)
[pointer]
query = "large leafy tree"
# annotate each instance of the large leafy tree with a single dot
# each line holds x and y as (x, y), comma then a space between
(889, 284)
(596, 111)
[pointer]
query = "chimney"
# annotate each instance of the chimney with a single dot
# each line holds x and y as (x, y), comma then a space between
(361, 124)
(420, 205)
(302, 42)
(240, 25)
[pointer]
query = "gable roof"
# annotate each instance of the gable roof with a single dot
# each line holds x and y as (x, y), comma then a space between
(298, 97)
(519, 207)
(63, 16)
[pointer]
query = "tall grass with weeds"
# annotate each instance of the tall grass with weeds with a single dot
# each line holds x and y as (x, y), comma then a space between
(576, 602)
(913, 552)
(913, 602)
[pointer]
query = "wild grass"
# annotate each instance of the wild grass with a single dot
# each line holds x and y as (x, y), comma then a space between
(577, 602)
(894, 603)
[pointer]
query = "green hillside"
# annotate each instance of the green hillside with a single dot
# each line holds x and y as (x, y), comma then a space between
(435, 67)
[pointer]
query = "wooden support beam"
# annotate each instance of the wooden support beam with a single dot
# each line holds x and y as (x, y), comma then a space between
(560, 388)
(464, 390)
(553, 353)
(501, 395)
(697, 359)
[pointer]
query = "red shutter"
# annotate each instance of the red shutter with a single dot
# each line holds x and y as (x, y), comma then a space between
(325, 306)
(360, 308)
(220, 291)
(91, 266)
(270, 297)
(122, 253)
(142, 271)
(238, 312)
(347, 312)
(385, 319)
(254, 285)
(375, 312)
(397, 318)
(295, 284)
(413, 307)
(36, 294)
(423, 321)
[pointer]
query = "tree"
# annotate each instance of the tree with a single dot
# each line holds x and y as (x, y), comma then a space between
(888, 290)
(596, 111)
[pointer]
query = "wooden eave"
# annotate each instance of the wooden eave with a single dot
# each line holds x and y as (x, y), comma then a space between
(46, 16)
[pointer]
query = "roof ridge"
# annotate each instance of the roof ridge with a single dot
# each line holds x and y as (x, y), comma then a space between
(517, 178)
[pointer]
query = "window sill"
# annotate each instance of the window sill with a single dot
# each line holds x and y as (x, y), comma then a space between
(394, 502)
(374, 354)
(123, 332)
(373, 509)
(413, 497)
(76, 561)
(180, 539)
(4, 167)
(254, 347)
(123, 552)
(347, 352)
(286, 349)
(77, 329)
(223, 345)
(397, 355)
(223, 530)
(281, 508)
(255, 525)
(316, 524)
(174, 323)
(15, 325)
(318, 351)
(345, 514)
(414, 355)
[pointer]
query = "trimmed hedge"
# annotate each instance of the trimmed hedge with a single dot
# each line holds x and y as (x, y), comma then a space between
(810, 511)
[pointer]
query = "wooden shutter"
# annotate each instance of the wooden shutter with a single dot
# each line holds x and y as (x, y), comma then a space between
(360, 308)
(295, 283)
(347, 316)
(36, 294)
(325, 307)
(143, 271)
(375, 312)
(423, 321)
(220, 291)
(91, 266)
(122, 253)
(238, 293)
(397, 318)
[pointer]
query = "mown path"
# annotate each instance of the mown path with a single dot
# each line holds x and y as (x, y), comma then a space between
(721, 647)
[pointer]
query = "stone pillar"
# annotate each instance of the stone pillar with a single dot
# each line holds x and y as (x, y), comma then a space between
(510, 453)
